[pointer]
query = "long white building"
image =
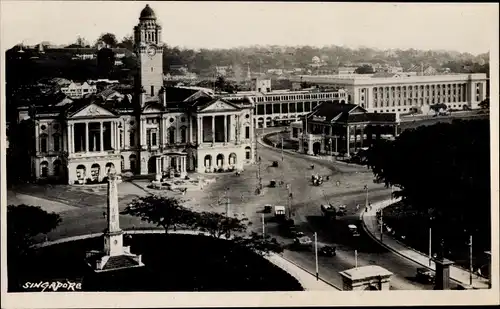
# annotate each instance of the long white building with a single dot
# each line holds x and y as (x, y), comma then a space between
(400, 93)
(281, 107)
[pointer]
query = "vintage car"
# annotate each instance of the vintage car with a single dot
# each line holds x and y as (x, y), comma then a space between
(425, 275)
(328, 251)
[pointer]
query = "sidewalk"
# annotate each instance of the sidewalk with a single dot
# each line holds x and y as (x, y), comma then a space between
(372, 227)
(306, 279)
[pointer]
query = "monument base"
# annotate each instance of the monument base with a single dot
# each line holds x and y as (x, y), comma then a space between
(100, 262)
(371, 277)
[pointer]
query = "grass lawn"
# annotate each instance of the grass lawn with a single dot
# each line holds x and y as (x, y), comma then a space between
(275, 138)
(173, 263)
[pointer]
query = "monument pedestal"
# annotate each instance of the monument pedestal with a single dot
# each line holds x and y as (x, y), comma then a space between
(442, 274)
(364, 278)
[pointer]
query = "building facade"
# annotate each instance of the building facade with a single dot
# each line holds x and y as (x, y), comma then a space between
(163, 130)
(342, 129)
(280, 107)
(78, 90)
(401, 94)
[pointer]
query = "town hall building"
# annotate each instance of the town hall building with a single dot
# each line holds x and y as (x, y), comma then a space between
(160, 130)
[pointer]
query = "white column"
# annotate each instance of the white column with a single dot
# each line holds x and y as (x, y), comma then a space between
(158, 166)
(225, 128)
(70, 138)
(86, 136)
(37, 133)
(101, 140)
(142, 131)
(213, 129)
(164, 131)
(348, 141)
(190, 121)
(199, 127)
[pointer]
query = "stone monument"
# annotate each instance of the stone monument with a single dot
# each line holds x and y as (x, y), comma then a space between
(115, 255)
(366, 278)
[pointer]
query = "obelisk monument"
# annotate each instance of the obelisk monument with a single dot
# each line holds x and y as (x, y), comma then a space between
(113, 237)
(114, 256)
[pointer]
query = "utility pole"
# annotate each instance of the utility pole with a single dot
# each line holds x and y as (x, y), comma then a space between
(430, 244)
(381, 224)
(470, 259)
(282, 149)
(366, 198)
(316, 254)
(227, 203)
(263, 227)
(356, 258)
(289, 187)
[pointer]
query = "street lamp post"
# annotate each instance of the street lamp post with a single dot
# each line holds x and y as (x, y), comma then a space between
(470, 259)
(289, 189)
(316, 254)
(366, 199)
(282, 149)
(263, 227)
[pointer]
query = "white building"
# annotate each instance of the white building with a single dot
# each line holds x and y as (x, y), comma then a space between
(164, 130)
(280, 107)
(402, 92)
(78, 90)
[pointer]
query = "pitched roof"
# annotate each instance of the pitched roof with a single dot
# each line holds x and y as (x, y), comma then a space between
(331, 110)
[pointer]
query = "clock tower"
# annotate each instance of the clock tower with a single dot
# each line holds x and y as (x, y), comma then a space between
(148, 47)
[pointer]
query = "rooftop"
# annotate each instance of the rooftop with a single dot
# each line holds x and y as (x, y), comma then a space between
(365, 272)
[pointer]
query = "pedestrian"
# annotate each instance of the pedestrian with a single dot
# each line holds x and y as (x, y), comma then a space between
(327, 178)
(357, 207)
(337, 183)
(104, 214)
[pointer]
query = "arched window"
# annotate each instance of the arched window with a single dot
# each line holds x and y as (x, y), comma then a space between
(43, 142)
(132, 159)
(44, 169)
(131, 137)
(183, 135)
(171, 135)
(57, 141)
(56, 165)
(248, 152)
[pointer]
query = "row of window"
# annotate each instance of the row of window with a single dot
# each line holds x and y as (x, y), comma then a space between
(409, 109)
(421, 87)
(410, 101)
(274, 98)
(277, 108)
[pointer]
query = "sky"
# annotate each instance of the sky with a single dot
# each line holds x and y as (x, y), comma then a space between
(460, 26)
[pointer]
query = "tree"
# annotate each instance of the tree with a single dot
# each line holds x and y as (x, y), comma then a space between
(108, 39)
(166, 212)
(444, 168)
(24, 222)
(365, 69)
(127, 42)
(105, 62)
(262, 245)
(81, 42)
(217, 224)
(485, 104)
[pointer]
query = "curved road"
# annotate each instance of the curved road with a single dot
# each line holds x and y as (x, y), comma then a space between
(295, 169)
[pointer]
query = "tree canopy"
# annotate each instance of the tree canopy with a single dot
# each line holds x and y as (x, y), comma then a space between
(166, 212)
(218, 225)
(364, 69)
(108, 39)
(443, 169)
(24, 222)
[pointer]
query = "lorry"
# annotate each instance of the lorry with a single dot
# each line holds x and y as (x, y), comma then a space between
(329, 211)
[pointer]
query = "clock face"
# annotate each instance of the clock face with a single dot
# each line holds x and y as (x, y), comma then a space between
(151, 50)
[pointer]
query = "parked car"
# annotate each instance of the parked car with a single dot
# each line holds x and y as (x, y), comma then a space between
(328, 251)
(425, 275)
(268, 208)
(272, 183)
(275, 163)
(353, 229)
(298, 234)
(303, 242)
